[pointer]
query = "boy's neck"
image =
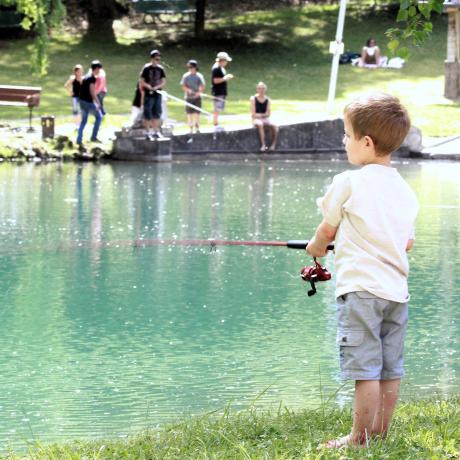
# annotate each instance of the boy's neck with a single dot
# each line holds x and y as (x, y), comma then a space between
(382, 160)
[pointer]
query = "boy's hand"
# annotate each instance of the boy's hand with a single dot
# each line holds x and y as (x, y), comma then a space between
(325, 234)
(314, 249)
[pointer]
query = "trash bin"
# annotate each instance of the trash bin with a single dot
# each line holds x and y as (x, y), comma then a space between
(47, 127)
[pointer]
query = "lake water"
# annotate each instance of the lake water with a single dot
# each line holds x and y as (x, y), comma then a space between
(107, 339)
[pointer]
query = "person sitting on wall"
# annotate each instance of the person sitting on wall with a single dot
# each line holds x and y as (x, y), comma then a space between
(260, 113)
(371, 57)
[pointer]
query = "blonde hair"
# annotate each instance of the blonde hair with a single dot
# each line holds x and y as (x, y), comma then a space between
(261, 83)
(380, 116)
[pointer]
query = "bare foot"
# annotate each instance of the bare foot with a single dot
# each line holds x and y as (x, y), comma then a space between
(338, 443)
(272, 148)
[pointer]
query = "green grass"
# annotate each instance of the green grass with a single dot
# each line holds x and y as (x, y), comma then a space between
(427, 429)
(287, 48)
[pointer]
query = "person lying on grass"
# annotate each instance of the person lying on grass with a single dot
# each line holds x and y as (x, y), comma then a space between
(370, 213)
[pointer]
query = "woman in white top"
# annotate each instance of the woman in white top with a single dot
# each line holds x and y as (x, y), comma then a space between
(371, 56)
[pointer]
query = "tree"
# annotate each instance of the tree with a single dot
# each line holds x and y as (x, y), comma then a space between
(200, 15)
(40, 16)
(417, 26)
(101, 14)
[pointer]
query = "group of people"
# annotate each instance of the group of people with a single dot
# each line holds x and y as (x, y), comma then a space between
(88, 92)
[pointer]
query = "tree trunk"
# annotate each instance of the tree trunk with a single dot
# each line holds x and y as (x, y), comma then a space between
(101, 14)
(200, 18)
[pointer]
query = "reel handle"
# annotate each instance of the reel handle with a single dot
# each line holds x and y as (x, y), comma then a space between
(302, 244)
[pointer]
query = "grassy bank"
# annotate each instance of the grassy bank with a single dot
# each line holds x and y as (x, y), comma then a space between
(421, 430)
(287, 48)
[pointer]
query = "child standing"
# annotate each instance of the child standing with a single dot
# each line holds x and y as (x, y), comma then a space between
(192, 83)
(219, 79)
(370, 213)
(73, 85)
(101, 89)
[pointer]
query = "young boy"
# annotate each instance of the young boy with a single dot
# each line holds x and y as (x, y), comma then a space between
(370, 213)
(219, 79)
(193, 84)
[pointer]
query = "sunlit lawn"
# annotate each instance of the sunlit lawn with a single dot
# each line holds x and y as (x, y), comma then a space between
(288, 49)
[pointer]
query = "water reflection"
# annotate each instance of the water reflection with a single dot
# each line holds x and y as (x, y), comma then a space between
(101, 336)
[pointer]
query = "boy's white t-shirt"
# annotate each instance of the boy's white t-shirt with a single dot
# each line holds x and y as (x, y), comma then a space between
(374, 210)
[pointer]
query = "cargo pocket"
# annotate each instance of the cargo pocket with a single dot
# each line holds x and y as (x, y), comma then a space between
(350, 351)
(349, 338)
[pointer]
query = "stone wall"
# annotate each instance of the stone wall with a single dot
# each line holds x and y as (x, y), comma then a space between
(300, 140)
(300, 137)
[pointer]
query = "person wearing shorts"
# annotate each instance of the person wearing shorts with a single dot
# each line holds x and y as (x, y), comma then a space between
(370, 213)
(152, 79)
(193, 84)
(260, 113)
(73, 86)
(219, 79)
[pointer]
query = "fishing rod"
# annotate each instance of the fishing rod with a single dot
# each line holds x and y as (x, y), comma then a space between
(188, 104)
(215, 98)
(146, 242)
(291, 244)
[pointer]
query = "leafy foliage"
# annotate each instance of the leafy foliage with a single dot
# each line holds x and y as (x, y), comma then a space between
(41, 16)
(416, 25)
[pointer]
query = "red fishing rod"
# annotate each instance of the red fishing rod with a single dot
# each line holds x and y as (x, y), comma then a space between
(292, 244)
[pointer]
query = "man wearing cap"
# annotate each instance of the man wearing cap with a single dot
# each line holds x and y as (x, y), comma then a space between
(89, 103)
(219, 78)
(152, 79)
(192, 83)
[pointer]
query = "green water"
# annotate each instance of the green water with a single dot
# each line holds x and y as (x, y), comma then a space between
(104, 341)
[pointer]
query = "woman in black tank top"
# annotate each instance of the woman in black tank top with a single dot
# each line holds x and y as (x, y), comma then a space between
(76, 86)
(73, 86)
(260, 113)
(261, 107)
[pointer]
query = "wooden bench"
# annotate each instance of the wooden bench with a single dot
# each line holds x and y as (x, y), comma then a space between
(21, 96)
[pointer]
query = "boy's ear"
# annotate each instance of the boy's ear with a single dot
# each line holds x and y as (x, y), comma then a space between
(369, 142)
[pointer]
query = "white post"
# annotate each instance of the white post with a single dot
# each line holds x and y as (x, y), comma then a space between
(337, 51)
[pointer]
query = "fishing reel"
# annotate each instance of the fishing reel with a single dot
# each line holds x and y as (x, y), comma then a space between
(313, 274)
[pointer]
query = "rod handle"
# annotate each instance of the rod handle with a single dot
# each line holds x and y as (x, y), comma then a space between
(302, 244)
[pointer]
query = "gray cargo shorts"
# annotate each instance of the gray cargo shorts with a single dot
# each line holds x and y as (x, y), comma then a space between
(219, 103)
(370, 335)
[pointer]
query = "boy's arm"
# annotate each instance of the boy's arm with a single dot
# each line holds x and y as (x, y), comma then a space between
(332, 207)
(324, 235)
